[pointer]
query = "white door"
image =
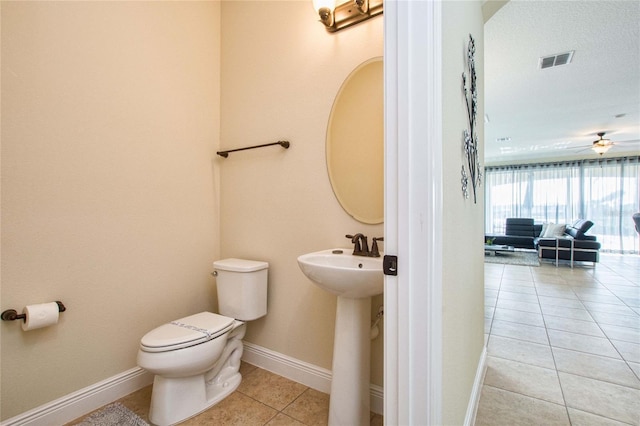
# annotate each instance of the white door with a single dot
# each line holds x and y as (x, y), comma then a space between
(413, 212)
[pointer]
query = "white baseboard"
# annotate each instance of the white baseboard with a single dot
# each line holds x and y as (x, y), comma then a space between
(299, 371)
(474, 399)
(77, 404)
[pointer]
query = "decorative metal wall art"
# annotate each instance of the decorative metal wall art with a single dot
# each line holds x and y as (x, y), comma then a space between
(470, 138)
(465, 182)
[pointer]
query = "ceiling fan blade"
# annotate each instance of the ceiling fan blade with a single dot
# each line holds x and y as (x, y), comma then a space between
(627, 142)
(581, 148)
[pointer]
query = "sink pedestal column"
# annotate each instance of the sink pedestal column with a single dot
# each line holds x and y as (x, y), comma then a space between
(349, 399)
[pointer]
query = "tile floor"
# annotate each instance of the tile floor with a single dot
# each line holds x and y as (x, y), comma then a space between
(563, 349)
(263, 398)
(563, 344)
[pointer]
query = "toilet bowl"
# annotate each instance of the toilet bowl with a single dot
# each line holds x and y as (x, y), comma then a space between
(196, 359)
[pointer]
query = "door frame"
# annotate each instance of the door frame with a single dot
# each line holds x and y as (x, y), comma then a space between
(413, 212)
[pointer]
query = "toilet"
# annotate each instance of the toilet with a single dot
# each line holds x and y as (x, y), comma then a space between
(196, 359)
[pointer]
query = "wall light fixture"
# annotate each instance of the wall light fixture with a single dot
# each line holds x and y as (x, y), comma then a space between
(338, 16)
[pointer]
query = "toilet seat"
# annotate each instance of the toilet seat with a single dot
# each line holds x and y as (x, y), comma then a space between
(186, 332)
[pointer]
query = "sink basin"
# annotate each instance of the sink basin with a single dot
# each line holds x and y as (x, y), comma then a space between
(341, 273)
(354, 279)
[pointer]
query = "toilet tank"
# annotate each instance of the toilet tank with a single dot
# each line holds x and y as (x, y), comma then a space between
(242, 288)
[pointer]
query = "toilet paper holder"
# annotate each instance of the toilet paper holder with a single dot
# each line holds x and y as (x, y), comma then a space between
(12, 314)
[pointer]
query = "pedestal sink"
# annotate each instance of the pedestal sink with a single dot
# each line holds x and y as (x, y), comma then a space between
(354, 279)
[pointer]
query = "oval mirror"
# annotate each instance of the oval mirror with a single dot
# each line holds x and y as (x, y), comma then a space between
(355, 143)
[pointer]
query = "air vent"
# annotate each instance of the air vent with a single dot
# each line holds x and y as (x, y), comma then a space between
(556, 60)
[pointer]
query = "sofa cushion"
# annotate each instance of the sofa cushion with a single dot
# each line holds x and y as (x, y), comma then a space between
(587, 244)
(552, 242)
(522, 227)
(512, 240)
(537, 229)
(582, 256)
(545, 242)
(578, 229)
(583, 225)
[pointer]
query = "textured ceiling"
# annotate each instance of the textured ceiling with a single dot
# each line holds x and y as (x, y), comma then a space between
(555, 113)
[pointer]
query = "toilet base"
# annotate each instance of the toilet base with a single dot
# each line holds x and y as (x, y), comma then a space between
(176, 399)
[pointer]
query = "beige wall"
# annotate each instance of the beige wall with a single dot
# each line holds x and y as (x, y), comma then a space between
(110, 187)
(110, 121)
(280, 74)
(463, 230)
(110, 183)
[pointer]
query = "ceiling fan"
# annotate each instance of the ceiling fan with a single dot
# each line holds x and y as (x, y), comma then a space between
(601, 145)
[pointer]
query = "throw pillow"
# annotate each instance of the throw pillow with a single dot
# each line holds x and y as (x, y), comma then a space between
(553, 231)
(548, 231)
(558, 231)
(544, 229)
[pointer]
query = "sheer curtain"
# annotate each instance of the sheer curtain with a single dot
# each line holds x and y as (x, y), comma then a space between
(605, 191)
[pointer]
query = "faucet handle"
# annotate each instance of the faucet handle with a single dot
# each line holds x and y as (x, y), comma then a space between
(353, 239)
(374, 247)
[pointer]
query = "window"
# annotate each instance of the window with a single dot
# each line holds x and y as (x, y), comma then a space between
(606, 191)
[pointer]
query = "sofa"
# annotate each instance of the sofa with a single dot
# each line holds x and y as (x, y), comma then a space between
(519, 233)
(572, 245)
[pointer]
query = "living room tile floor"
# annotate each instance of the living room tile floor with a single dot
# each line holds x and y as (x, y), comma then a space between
(563, 344)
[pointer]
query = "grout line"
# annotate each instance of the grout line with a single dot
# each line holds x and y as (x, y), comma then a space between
(527, 396)
(553, 357)
(599, 277)
(269, 406)
(495, 306)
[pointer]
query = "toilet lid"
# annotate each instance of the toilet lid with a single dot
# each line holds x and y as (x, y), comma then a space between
(185, 332)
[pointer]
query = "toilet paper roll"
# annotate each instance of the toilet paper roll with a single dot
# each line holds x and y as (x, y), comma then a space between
(41, 315)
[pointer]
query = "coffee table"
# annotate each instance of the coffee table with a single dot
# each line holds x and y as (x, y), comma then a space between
(494, 249)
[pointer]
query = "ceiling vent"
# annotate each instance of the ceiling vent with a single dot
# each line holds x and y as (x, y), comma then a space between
(556, 60)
